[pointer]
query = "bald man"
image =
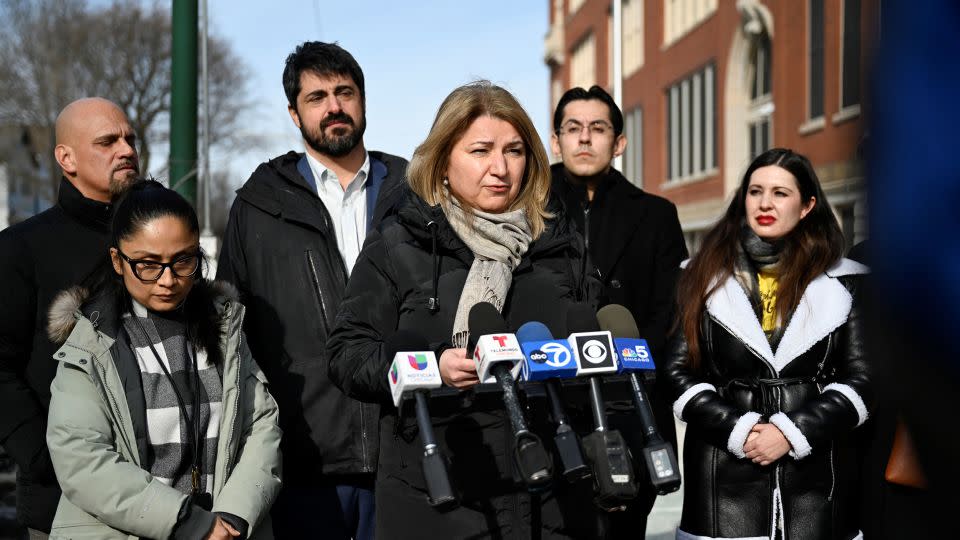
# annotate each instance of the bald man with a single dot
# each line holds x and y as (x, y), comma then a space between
(58, 248)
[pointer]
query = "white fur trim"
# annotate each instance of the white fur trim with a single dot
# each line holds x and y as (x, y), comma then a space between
(684, 263)
(61, 315)
(738, 436)
(854, 399)
(689, 394)
(824, 306)
(847, 267)
(731, 308)
(684, 535)
(796, 438)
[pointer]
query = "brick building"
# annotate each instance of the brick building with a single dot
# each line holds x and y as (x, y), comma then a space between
(708, 84)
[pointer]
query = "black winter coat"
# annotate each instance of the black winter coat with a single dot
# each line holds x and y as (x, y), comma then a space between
(816, 388)
(389, 291)
(280, 251)
(39, 257)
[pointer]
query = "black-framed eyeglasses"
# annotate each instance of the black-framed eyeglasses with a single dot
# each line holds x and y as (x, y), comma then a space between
(148, 271)
(573, 128)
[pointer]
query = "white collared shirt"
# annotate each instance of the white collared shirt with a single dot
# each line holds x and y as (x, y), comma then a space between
(347, 207)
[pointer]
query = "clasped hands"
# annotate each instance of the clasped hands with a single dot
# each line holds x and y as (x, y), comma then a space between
(765, 444)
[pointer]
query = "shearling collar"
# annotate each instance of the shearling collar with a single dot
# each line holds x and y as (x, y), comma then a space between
(823, 308)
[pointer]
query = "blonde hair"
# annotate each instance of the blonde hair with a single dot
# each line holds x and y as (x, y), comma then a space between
(456, 114)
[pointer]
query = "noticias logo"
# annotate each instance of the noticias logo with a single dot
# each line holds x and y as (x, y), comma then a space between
(418, 361)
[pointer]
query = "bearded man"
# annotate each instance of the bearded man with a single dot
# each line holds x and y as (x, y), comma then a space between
(294, 233)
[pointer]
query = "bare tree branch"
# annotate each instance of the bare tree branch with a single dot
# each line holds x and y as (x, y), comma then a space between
(55, 51)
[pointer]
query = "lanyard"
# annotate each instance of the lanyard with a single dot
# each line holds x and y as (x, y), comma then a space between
(193, 435)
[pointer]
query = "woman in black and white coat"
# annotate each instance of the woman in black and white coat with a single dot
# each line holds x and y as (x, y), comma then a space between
(768, 365)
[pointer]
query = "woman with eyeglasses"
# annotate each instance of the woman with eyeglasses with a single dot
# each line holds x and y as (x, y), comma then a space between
(160, 423)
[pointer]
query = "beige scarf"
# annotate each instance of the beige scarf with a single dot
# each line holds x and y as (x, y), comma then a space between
(498, 243)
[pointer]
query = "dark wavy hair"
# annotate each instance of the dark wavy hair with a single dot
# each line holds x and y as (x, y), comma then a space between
(814, 245)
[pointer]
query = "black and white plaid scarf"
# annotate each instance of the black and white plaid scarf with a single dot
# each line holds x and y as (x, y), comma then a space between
(169, 456)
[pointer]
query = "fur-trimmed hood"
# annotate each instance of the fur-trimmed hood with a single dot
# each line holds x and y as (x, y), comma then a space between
(205, 305)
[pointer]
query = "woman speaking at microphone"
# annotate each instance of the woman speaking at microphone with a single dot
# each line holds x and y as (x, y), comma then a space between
(768, 365)
(160, 424)
(474, 227)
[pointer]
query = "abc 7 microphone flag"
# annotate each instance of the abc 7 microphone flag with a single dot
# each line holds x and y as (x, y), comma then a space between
(548, 360)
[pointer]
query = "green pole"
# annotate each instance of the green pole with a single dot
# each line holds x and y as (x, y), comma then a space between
(183, 100)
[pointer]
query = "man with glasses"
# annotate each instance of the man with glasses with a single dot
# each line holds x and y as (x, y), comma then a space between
(635, 241)
(54, 250)
(294, 234)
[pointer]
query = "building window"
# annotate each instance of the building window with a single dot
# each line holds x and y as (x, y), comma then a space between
(632, 36)
(583, 64)
(681, 16)
(760, 68)
(691, 125)
(633, 155)
(761, 108)
(815, 55)
(759, 136)
(574, 5)
(850, 59)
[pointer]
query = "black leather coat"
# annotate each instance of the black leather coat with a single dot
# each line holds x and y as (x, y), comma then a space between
(398, 271)
(816, 388)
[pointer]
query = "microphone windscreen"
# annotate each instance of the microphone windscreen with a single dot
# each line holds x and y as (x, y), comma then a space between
(484, 319)
(582, 318)
(541, 304)
(533, 331)
(619, 321)
(405, 341)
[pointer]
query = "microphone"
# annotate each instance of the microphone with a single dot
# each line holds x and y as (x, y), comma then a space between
(414, 371)
(496, 353)
(659, 456)
(605, 448)
(548, 359)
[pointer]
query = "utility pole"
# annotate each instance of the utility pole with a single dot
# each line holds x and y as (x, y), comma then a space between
(183, 100)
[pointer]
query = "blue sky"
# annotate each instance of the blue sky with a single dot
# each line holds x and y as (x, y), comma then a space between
(412, 54)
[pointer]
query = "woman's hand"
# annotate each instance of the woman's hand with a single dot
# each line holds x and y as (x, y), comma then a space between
(766, 444)
(222, 531)
(457, 370)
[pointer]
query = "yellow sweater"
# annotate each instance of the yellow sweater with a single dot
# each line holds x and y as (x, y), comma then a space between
(768, 301)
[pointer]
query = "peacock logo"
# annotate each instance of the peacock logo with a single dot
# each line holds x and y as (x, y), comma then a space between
(418, 361)
(393, 373)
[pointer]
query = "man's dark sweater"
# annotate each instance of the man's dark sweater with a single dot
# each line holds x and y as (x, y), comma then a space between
(39, 257)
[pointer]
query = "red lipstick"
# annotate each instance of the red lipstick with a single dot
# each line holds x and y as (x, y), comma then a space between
(766, 220)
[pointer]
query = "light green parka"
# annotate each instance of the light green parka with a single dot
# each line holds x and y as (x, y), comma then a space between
(106, 492)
